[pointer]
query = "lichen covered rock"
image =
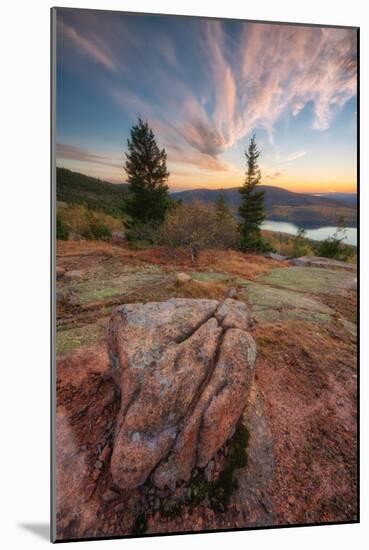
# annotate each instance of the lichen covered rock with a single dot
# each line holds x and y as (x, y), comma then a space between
(184, 369)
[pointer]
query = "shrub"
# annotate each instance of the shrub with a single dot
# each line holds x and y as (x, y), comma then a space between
(197, 225)
(286, 245)
(99, 230)
(87, 223)
(142, 234)
(62, 232)
(300, 246)
(333, 247)
(254, 242)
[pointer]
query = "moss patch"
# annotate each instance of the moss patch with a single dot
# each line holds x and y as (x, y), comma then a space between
(216, 493)
(139, 525)
(209, 276)
(310, 279)
(274, 304)
(100, 287)
(273, 315)
(102, 294)
(68, 340)
(221, 490)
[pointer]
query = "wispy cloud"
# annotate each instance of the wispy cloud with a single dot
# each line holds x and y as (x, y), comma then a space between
(290, 157)
(275, 69)
(200, 161)
(70, 152)
(273, 175)
(88, 45)
(205, 85)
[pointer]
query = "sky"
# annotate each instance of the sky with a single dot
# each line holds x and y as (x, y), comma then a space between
(205, 87)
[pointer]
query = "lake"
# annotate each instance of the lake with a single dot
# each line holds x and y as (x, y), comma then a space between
(316, 234)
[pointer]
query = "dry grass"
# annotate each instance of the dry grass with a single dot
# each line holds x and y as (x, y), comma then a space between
(345, 305)
(309, 351)
(305, 371)
(66, 249)
(233, 262)
(307, 375)
(248, 266)
(77, 218)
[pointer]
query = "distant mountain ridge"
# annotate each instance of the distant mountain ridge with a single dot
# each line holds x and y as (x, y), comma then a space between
(304, 209)
(350, 198)
(273, 195)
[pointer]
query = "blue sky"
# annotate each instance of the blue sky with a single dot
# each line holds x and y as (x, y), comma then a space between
(205, 86)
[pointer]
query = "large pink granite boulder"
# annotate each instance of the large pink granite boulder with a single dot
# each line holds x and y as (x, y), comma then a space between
(184, 368)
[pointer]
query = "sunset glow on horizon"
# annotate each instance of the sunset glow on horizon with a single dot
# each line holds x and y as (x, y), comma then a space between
(205, 87)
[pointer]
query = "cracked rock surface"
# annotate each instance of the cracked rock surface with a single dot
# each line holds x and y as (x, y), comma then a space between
(184, 368)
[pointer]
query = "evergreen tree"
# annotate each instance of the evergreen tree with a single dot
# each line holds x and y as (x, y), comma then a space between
(251, 209)
(226, 226)
(148, 199)
(223, 212)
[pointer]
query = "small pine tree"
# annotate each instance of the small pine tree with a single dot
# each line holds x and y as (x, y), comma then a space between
(251, 209)
(222, 210)
(226, 226)
(148, 199)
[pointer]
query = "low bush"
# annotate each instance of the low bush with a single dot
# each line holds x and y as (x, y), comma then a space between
(292, 246)
(255, 243)
(334, 247)
(197, 225)
(86, 223)
(142, 235)
(62, 232)
(99, 230)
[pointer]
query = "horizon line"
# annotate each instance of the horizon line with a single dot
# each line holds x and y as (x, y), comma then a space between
(182, 189)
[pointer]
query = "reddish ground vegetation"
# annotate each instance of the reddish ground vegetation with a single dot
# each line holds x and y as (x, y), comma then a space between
(302, 419)
(307, 375)
(346, 306)
(84, 255)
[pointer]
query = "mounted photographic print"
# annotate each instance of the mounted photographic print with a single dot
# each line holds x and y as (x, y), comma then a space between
(204, 235)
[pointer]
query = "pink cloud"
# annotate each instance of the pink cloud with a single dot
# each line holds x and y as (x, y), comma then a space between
(290, 67)
(88, 45)
(277, 67)
(70, 152)
(198, 160)
(273, 69)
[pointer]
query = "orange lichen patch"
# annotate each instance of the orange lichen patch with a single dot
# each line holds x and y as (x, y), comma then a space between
(307, 374)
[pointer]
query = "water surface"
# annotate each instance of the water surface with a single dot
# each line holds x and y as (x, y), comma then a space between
(318, 234)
